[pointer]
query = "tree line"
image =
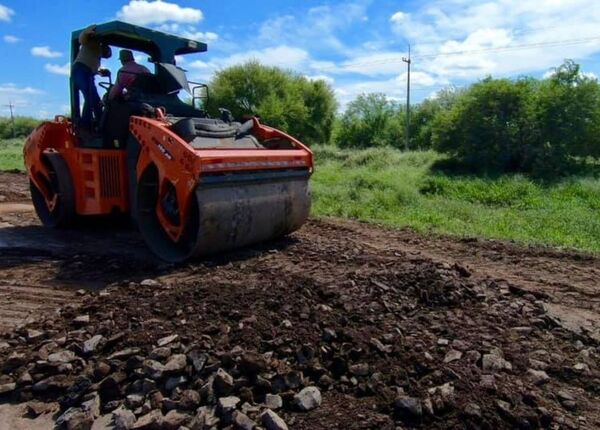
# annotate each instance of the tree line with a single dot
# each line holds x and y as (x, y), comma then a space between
(21, 127)
(543, 126)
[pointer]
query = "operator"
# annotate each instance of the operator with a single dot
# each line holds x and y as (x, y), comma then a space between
(127, 74)
(85, 67)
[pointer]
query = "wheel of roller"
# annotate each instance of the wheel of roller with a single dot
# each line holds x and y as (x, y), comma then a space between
(151, 228)
(61, 213)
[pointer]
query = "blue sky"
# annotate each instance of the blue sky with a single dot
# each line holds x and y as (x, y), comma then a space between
(357, 46)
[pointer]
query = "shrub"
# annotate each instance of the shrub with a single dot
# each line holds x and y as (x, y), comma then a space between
(488, 127)
(283, 99)
(545, 127)
(370, 120)
(566, 112)
(23, 127)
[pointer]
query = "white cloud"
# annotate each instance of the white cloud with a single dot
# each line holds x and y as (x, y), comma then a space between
(316, 30)
(399, 17)
(453, 42)
(282, 56)
(494, 35)
(6, 13)
(64, 70)
(145, 12)
(378, 64)
(23, 98)
(45, 51)
(189, 32)
(13, 89)
(325, 78)
(200, 36)
(11, 39)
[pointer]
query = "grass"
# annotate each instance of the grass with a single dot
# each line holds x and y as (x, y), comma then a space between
(400, 189)
(11, 154)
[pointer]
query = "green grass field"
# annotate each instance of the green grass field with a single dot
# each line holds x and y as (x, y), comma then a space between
(11, 154)
(400, 189)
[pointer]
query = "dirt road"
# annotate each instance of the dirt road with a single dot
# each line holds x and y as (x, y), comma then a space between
(394, 328)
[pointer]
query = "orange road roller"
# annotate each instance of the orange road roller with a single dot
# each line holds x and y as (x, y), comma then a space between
(193, 185)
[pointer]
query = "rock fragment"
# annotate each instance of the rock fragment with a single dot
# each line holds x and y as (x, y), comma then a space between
(62, 357)
(241, 421)
(149, 421)
(149, 283)
(538, 377)
(90, 345)
(7, 388)
(308, 399)
(174, 420)
(81, 320)
(75, 419)
(225, 408)
(154, 369)
(272, 421)
(160, 354)
(123, 419)
(35, 408)
(35, 335)
(452, 355)
(360, 369)
(167, 340)
(408, 409)
(472, 410)
(124, 354)
(273, 401)
(494, 362)
(189, 400)
(176, 364)
(252, 364)
(223, 383)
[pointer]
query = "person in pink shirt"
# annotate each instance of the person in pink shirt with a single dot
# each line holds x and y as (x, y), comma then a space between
(127, 74)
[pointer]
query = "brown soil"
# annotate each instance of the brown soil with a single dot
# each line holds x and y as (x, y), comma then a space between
(379, 312)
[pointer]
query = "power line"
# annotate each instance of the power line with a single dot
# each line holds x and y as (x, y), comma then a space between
(565, 42)
(514, 47)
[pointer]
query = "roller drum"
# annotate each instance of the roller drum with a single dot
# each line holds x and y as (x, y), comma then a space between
(236, 215)
(228, 212)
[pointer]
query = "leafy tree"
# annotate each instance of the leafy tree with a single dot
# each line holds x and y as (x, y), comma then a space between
(488, 126)
(370, 120)
(423, 114)
(283, 99)
(566, 113)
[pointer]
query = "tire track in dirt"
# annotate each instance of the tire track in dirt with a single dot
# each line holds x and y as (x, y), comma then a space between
(21, 303)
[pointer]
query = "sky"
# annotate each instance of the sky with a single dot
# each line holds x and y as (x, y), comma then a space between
(357, 46)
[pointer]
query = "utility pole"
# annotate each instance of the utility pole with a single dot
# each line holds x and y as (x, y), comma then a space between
(12, 117)
(407, 60)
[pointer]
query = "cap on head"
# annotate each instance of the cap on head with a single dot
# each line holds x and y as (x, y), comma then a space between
(125, 55)
(106, 51)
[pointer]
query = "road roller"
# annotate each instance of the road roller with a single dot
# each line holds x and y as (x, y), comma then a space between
(192, 184)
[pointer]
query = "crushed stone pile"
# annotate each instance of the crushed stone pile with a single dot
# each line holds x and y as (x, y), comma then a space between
(329, 336)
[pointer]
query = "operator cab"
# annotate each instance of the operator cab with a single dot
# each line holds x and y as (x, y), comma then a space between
(148, 91)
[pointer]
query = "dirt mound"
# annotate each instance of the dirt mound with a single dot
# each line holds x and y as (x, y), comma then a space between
(412, 341)
(343, 325)
(15, 187)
